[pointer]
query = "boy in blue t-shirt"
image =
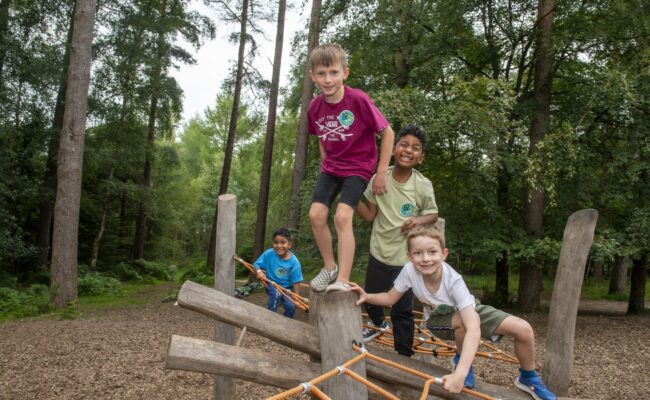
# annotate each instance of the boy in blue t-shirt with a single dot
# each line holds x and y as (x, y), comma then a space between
(281, 266)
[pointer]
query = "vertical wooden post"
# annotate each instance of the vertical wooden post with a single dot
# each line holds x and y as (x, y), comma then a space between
(339, 323)
(224, 281)
(576, 242)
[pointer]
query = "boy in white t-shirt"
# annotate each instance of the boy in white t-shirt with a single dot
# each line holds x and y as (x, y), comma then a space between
(452, 309)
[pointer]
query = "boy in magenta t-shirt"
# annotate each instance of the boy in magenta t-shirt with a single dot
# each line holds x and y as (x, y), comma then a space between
(346, 121)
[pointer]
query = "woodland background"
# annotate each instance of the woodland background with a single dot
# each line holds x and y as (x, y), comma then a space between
(533, 110)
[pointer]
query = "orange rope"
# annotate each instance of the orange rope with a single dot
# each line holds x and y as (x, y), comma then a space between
(310, 387)
(294, 298)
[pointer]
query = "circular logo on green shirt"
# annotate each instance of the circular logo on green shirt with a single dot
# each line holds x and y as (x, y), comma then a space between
(407, 209)
(346, 118)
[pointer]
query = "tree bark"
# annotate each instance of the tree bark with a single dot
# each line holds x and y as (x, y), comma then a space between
(232, 129)
(267, 159)
(46, 207)
(70, 160)
(530, 284)
(300, 151)
(636, 304)
(618, 276)
(100, 232)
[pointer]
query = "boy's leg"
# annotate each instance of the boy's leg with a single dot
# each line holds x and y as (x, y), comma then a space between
(403, 326)
(351, 191)
(524, 338)
(318, 216)
(289, 307)
(273, 298)
(378, 280)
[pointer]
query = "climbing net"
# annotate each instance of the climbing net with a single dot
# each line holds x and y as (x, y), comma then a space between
(343, 369)
(425, 342)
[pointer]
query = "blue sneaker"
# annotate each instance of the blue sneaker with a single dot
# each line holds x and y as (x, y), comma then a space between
(470, 382)
(535, 387)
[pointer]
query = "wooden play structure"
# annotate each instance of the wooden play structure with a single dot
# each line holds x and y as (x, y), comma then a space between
(333, 336)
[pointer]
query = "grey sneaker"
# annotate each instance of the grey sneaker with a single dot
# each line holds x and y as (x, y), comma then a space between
(323, 279)
(338, 286)
(374, 331)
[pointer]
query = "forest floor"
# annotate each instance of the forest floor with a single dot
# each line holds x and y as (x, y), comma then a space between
(120, 354)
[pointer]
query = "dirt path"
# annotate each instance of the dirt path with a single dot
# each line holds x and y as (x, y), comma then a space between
(119, 354)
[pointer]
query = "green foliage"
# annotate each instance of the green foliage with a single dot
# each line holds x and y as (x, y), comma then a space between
(35, 300)
(141, 271)
(94, 284)
(199, 273)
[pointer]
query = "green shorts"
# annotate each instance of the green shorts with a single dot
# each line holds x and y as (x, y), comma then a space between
(440, 324)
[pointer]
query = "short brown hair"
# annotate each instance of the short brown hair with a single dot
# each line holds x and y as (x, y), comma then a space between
(427, 231)
(327, 55)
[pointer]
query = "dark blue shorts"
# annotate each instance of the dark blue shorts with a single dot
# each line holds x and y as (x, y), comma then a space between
(329, 186)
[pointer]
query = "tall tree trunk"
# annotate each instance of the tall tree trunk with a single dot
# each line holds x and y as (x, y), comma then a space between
(141, 221)
(46, 207)
(232, 130)
(502, 286)
(597, 271)
(300, 151)
(530, 277)
(267, 159)
(70, 163)
(618, 276)
(100, 232)
(636, 304)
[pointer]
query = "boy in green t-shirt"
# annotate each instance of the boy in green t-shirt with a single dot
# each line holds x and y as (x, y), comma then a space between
(409, 201)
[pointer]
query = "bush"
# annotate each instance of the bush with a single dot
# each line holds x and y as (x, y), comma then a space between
(94, 284)
(198, 273)
(141, 271)
(33, 301)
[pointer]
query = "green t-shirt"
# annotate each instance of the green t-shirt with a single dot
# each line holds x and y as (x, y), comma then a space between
(400, 202)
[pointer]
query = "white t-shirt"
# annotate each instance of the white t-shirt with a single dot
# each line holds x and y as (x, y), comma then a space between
(452, 291)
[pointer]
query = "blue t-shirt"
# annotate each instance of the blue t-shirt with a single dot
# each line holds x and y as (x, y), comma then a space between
(283, 272)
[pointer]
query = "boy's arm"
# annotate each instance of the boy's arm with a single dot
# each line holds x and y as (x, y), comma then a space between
(380, 299)
(296, 287)
(367, 210)
(419, 220)
(385, 151)
(321, 149)
(472, 323)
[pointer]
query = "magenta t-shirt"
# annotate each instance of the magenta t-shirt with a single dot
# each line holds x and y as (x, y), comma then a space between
(347, 132)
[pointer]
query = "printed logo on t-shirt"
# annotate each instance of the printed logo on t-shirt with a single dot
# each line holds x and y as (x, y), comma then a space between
(282, 272)
(346, 118)
(408, 210)
(333, 128)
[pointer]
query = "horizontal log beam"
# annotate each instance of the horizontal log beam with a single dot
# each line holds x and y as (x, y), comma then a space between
(221, 307)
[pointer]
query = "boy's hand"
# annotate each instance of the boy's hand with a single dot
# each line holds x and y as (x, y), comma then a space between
(363, 296)
(379, 183)
(407, 226)
(453, 382)
(260, 274)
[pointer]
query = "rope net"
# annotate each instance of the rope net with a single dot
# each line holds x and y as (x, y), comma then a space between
(310, 387)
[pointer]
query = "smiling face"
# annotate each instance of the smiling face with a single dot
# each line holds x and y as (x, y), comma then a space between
(408, 152)
(427, 255)
(329, 79)
(281, 246)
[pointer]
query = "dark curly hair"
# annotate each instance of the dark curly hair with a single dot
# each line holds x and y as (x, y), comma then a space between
(414, 131)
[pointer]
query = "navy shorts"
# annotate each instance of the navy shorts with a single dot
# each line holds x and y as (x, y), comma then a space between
(329, 186)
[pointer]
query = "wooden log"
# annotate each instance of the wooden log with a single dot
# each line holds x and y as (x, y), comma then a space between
(226, 308)
(576, 242)
(339, 323)
(205, 356)
(305, 338)
(224, 281)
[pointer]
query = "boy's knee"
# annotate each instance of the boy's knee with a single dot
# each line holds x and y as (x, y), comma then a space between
(343, 218)
(316, 214)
